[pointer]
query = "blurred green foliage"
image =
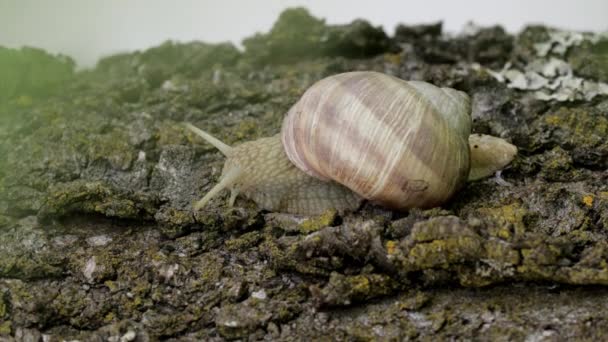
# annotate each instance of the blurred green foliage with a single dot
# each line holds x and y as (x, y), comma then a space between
(297, 35)
(32, 72)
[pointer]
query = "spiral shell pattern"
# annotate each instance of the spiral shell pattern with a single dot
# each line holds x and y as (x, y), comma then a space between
(402, 144)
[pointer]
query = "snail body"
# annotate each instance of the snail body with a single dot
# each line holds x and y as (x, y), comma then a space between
(363, 135)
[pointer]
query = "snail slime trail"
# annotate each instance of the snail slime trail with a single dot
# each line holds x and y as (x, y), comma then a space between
(362, 135)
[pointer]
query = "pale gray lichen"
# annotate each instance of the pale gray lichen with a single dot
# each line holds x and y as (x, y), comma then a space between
(560, 41)
(550, 77)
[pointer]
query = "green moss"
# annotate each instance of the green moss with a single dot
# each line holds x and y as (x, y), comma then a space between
(244, 242)
(113, 147)
(526, 40)
(580, 125)
(413, 300)
(110, 317)
(345, 290)
(291, 38)
(111, 285)
(580, 131)
(25, 267)
(4, 311)
(133, 304)
(591, 60)
(97, 197)
(4, 221)
(161, 324)
(557, 166)
(439, 319)
(241, 219)
(246, 129)
(69, 302)
(141, 288)
(176, 222)
(277, 256)
(24, 255)
(168, 59)
(6, 328)
(212, 268)
(173, 133)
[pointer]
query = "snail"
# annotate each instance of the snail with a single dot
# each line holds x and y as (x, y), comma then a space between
(362, 136)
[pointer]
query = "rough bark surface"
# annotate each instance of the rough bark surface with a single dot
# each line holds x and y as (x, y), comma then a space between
(98, 239)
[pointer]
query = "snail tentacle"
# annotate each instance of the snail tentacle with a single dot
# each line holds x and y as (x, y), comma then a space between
(224, 148)
(234, 192)
(229, 178)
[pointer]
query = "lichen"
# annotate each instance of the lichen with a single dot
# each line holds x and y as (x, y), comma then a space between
(345, 290)
(313, 224)
(5, 328)
(590, 60)
(244, 242)
(551, 77)
(97, 197)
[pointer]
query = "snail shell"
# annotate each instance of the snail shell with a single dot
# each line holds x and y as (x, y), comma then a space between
(400, 143)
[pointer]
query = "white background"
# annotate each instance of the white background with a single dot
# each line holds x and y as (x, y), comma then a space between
(89, 29)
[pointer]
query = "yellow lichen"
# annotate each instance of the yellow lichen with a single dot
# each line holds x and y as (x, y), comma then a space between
(360, 284)
(246, 129)
(391, 247)
(133, 304)
(393, 58)
(501, 252)
(553, 120)
(111, 285)
(245, 241)
(110, 317)
(588, 200)
(511, 215)
(315, 223)
(443, 253)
